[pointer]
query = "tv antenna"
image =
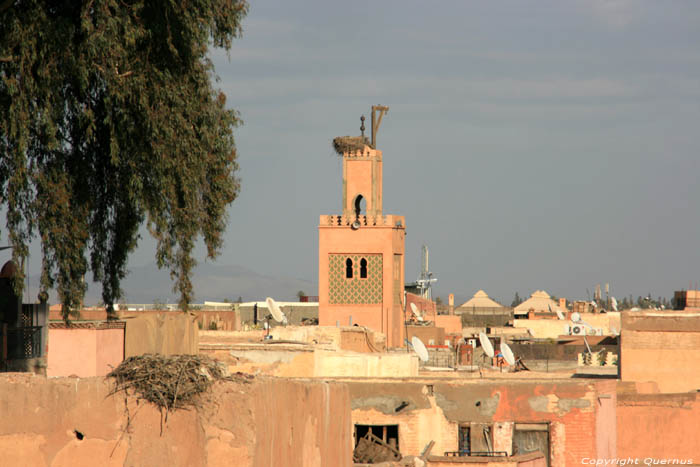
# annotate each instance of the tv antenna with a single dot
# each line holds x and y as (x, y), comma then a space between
(420, 349)
(275, 311)
(507, 354)
(486, 346)
(416, 313)
(613, 302)
(560, 315)
(426, 279)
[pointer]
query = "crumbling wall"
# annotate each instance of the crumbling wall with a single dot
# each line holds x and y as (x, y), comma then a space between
(436, 409)
(75, 422)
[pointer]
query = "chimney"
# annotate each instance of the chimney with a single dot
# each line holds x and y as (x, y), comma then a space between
(451, 303)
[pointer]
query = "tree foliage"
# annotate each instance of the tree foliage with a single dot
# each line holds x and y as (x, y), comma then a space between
(109, 119)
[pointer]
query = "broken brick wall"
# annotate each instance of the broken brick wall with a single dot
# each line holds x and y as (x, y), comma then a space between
(435, 410)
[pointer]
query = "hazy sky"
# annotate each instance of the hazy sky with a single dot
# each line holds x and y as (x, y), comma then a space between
(531, 145)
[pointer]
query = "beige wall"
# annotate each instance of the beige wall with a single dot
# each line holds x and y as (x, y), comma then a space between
(663, 347)
(553, 328)
(84, 352)
(301, 362)
(259, 423)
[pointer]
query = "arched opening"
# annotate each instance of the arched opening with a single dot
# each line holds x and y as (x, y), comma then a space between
(363, 268)
(360, 205)
(348, 268)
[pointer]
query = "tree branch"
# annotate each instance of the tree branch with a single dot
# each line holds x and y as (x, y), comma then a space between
(5, 5)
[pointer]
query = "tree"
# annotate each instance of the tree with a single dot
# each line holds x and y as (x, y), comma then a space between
(109, 120)
(516, 300)
(300, 294)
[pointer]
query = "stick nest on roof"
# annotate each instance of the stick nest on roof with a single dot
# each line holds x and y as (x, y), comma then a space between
(170, 382)
(343, 144)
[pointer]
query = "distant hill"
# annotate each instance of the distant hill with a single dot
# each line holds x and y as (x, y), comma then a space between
(148, 284)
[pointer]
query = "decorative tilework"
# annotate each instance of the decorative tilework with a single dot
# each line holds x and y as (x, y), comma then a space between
(356, 290)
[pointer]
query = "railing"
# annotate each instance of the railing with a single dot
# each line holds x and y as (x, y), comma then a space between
(476, 454)
(23, 342)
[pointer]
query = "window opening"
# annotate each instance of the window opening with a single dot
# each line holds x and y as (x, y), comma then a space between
(363, 268)
(359, 205)
(348, 268)
(376, 443)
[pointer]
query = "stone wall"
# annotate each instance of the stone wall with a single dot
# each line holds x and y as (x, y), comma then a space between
(75, 422)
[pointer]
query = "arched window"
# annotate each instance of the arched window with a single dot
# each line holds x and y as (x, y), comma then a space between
(359, 205)
(348, 268)
(363, 268)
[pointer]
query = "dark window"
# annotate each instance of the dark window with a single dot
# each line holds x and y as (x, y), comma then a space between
(363, 268)
(530, 437)
(348, 268)
(359, 205)
(388, 434)
(464, 444)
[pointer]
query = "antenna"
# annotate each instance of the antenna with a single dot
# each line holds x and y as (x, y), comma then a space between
(420, 349)
(508, 354)
(416, 313)
(425, 279)
(486, 344)
(275, 311)
(560, 315)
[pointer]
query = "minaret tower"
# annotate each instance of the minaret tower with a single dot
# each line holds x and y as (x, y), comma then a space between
(361, 251)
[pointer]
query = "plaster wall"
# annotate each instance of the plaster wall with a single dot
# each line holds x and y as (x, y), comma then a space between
(552, 328)
(388, 240)
(319, 363)
(258, 423)
(84, 351)
(659, 426)
(659, 348)
(452, 324)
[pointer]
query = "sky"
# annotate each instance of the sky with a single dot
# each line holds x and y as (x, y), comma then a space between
(531, 145)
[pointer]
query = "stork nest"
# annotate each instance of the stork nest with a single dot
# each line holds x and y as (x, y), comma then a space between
(170, 382)
(343, 144)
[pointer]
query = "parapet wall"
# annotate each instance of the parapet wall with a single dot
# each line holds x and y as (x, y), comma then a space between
(260, 422)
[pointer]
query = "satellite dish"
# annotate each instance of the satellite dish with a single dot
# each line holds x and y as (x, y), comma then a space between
(420, 348)
(560, 315)
(613, 302)
(576, 317)
(355, 225)
(275, 310)
(415, 311)
(508, 354)
(486, 344)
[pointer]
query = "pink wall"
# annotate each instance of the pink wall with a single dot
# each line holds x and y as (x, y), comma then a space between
(84, 351)
(385, 317)
(659, 426)
(247, 423)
